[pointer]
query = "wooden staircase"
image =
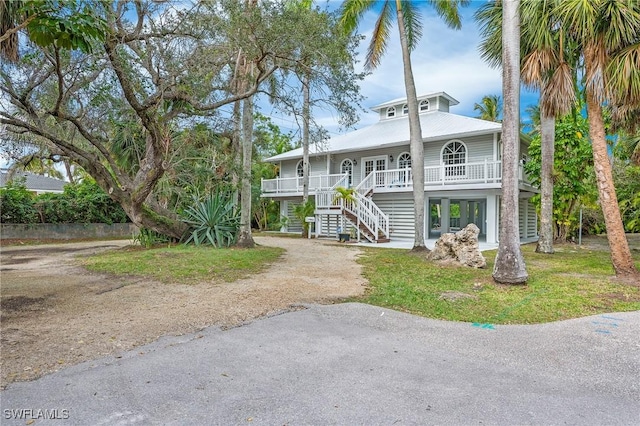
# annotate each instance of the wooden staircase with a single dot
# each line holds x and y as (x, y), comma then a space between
(362, 212)
(366, 233)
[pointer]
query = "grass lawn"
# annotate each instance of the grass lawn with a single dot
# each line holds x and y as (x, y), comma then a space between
(185, 264)
(573, 282)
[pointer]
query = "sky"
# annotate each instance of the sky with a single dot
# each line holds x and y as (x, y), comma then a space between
(445, 60)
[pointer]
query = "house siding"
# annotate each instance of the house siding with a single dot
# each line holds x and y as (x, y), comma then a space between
(400, 212)
(294, 225)
(479, 148)
(317, 166)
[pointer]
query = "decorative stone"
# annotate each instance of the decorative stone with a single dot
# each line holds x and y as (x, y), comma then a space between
(461, 247)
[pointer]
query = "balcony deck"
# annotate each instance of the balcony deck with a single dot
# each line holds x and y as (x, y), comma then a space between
(479, 175)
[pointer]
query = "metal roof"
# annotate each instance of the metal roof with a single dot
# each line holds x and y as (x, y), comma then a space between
(34, 182)
(395, 131)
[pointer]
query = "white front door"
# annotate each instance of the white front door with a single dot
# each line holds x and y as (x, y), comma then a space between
(372, 164)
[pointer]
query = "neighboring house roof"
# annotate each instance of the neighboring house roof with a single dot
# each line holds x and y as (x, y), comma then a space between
(34, 182)
(395, 131)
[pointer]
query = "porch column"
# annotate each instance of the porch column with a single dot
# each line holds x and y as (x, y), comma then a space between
(427, 217)
(464, 219)
(492, 219)
(445, 215)
(283, 212)
(328, 164)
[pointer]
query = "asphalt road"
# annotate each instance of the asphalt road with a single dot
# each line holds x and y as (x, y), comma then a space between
(354, 364)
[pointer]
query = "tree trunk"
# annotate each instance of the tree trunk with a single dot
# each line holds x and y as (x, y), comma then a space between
(305, 137)
(620, 253)
(509, 265)
(236, 148)
(155, 218)
(547, 133)
(244, 238)
(415, 137)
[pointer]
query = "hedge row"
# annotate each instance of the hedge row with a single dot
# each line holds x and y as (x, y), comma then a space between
(85, 202)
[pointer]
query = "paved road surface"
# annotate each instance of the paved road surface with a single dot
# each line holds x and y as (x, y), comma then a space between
(355, 364)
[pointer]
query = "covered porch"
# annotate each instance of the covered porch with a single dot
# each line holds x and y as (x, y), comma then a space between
(486, 174)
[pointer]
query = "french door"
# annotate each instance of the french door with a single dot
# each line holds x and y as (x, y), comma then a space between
(373, 164)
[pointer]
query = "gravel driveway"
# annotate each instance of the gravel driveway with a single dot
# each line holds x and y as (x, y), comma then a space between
(56, 314)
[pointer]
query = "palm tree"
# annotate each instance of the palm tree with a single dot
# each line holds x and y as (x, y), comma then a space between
(410, 31)
(544, 51)
(489, 108)
(607, 34)
(509, 265)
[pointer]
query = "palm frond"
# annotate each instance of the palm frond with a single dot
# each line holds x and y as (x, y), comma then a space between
(559, 95)
(380, 37)
(489, 18)
(536, 65)
(412, 23)
(449, 11)
(351, 13)
(623, 76)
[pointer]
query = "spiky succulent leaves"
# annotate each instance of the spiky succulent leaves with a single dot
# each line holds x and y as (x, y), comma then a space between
(214, 221)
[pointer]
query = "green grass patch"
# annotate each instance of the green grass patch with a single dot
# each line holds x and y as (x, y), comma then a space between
(185, 264)
(571, 283)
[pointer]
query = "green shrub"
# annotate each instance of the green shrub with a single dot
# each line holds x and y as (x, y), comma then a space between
(148, 238)
(215, 221)
(85, 202)
(302, 211)
(17, 204)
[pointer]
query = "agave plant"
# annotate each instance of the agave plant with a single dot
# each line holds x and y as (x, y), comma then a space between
(214, 221)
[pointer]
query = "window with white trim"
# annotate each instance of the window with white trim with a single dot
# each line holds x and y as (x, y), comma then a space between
(404, 161)
(391, 112)
(454, 153)
(300, 169)
(405, 109)
(346, 167)
(424, 105)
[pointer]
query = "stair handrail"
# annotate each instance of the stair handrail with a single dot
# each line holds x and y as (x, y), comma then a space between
(369, 214)
(367, 184)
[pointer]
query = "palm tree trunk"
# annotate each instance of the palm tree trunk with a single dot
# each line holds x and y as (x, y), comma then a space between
(244, 238)
(415, 137)
(305, 137)
(547, 133)
(509, 265)
(620, 253)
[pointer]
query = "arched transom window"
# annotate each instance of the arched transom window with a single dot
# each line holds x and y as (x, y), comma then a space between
(453, 153)
(391, 112)
(405, 109)
(424, 105)
(404, 161)
(346, 167)
(300, 169)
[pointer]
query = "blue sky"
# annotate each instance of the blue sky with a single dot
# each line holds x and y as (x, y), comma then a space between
(445, 60)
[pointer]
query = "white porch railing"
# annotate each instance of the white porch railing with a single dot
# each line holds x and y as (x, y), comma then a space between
(442, 175)
(294, 184)
(452, 174)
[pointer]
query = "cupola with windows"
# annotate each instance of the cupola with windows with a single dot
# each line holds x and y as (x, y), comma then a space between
(398, 108)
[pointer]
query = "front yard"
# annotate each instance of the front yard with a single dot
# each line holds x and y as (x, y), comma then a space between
(576, 281)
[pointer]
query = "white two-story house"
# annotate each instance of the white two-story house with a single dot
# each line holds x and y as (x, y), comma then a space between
(462, 176)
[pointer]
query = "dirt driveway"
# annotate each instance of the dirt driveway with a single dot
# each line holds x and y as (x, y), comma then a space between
(55, 314)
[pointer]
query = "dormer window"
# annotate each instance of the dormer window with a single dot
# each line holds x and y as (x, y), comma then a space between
(424, 105)
(405, 109)
(391, 112)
